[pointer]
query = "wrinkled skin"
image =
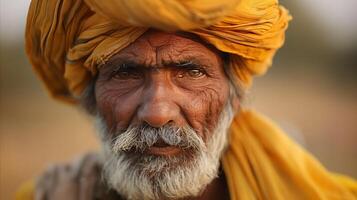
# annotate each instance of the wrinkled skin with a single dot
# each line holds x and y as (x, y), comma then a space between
(163, 78)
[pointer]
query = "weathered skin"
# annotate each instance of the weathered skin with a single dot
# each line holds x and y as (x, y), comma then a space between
(171, 79)
(158, 91)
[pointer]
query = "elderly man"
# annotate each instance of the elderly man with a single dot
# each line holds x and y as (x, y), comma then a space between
(164, 82)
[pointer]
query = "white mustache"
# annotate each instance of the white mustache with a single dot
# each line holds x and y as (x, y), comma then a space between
(142, 137)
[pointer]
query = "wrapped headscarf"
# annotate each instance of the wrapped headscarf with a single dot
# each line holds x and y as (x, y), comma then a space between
(67, 40)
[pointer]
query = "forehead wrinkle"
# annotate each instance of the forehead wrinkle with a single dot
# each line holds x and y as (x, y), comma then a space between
(141, 57)
(154, 42)
(157, 46)
(165, 48)
(129, 57)
(179, 48)
(186, 54)
(174, 47)
(150, 58)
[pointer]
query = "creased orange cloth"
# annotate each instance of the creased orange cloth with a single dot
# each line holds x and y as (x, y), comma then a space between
(263, 163)
(67, 40)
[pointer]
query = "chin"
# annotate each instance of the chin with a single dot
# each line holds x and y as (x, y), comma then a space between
(148, 176)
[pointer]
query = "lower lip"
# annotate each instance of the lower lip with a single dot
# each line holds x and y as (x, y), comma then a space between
(164, 151)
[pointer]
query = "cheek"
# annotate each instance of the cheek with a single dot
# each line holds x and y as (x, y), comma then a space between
(116, 105)
(205, 106)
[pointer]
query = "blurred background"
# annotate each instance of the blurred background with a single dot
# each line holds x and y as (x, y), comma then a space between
(311, 91)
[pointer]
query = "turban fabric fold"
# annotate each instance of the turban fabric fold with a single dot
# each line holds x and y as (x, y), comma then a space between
(68, 40)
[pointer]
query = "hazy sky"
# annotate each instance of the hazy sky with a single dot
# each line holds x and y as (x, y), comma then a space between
(12, 19)
(338, 19)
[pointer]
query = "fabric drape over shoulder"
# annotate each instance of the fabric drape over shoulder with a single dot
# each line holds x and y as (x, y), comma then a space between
(67, 40)
(263, 163)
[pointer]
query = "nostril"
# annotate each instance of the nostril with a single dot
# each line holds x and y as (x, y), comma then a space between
(158, 113)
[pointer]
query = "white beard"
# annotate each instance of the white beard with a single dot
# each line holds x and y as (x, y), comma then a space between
(158, 177)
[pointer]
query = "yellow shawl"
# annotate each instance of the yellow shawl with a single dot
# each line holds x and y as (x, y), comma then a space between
(263, 163)
(68, 40)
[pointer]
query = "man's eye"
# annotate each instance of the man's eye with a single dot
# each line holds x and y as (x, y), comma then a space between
(126, 74)
(192, 73)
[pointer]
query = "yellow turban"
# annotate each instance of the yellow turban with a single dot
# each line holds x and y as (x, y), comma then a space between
(67, 40)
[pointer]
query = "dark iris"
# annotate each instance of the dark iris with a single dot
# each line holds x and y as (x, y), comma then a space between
(195, 73)
(191, 73)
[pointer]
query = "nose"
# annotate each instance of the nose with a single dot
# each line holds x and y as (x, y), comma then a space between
(158, 107)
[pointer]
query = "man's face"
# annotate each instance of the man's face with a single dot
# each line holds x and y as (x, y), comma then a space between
(164, 109)
(163, 79)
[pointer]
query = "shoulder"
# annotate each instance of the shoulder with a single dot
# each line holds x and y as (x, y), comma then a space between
(79, 178)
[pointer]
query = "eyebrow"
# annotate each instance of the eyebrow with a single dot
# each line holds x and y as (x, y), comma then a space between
(185, 63)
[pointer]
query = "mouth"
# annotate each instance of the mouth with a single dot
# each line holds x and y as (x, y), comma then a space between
(161, 148)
